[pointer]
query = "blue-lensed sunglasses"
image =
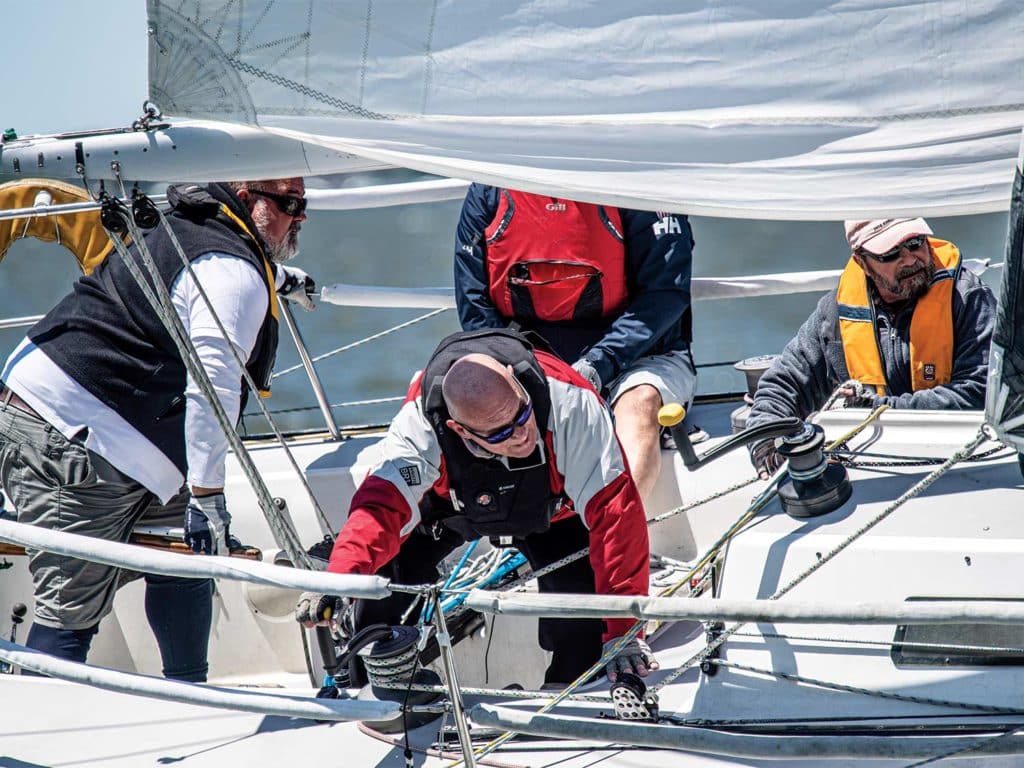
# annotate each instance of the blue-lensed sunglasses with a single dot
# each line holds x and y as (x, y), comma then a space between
(502, 434)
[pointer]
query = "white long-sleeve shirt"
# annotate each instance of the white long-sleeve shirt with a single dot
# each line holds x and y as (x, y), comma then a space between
(238, 294)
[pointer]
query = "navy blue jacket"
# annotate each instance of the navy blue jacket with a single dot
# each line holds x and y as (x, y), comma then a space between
(659, 261)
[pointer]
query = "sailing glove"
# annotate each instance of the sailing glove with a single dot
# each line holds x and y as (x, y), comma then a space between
(314, 608)
(635, 657)
(765, 458)
(297, 286)
(586, 369)
(857, 395)
(206, 524)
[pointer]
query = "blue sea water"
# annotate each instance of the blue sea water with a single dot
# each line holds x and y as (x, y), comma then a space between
(413, 246)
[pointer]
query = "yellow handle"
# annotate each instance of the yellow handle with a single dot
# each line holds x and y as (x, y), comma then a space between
(671, 414)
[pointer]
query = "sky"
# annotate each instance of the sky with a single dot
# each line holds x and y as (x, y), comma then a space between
(72, 64)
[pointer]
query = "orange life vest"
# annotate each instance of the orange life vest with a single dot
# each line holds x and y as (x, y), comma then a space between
(931, 327)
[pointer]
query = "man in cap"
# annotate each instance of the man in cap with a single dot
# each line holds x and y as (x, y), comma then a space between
(907, 321)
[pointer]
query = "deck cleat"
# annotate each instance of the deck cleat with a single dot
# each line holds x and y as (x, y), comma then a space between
(632, 701)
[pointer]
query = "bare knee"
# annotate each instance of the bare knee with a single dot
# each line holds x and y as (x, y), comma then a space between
(637, 409)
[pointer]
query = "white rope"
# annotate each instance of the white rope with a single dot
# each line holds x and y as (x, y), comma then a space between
(193, 693)
(199, 567)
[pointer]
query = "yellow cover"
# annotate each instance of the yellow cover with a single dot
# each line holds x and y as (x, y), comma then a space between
(81, 233)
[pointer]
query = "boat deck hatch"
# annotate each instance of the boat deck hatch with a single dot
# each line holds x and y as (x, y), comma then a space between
(958, 645)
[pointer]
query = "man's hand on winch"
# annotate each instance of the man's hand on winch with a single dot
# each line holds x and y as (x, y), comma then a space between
(314, 609)
(635, 657)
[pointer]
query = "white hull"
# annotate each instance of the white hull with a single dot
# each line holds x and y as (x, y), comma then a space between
(961, 539)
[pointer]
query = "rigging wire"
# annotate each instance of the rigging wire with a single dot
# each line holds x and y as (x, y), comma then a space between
(365, 340)
(160, 300)
(321, 517)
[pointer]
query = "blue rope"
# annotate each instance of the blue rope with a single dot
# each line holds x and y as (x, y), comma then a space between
(428, 610)
(512, 562)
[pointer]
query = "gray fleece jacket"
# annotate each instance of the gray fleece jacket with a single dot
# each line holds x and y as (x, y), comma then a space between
(813, 364)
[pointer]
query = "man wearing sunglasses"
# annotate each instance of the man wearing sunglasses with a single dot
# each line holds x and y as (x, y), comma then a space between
(497, 440)
(908, 322)
(101, 427)
(607, 288)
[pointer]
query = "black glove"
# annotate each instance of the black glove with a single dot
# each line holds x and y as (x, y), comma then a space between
(206, 524)
(766, 458)
(635, 657)
(314, 608)
(298, 287)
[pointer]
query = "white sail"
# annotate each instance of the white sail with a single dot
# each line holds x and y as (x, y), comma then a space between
(808, 109)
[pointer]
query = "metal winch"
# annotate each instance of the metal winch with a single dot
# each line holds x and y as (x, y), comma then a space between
(390, 656)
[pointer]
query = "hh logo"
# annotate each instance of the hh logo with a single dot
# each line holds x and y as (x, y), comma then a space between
(929, 372)
(668, 225)
(559, 207)
(410, 474)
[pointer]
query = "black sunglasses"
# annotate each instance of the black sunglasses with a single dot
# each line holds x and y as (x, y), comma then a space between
(913, 244)
(289, 205)
(502, 434)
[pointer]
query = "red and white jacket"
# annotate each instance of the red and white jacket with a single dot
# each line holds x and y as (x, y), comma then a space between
(586, 463)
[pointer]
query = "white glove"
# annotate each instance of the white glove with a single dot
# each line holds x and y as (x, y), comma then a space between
(297, 286)
(586, 369)
(636, 658)
(206, 524)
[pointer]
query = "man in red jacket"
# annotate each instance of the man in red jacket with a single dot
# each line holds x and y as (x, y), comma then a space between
(498, 440)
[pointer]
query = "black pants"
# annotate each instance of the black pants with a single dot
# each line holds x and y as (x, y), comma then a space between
(575, 644)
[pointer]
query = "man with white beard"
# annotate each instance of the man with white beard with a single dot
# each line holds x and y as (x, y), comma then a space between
(908, 322)
(101, 426)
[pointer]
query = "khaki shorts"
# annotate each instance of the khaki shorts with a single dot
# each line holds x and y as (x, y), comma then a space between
(61, 485)
(672, 374)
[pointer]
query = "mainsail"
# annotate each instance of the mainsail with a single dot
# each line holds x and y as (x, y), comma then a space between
(808, 109)
(1004, 400)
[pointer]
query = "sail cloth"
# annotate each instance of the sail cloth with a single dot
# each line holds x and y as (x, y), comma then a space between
(808, 109)
(1004, 396)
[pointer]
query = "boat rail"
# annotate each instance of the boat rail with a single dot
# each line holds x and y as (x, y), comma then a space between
(146, 560)
(194, 693)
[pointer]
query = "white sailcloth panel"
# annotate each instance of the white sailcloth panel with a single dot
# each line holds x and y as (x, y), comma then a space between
(806, 109)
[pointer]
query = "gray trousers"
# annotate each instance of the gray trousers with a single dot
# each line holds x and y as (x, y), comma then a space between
(59, 484)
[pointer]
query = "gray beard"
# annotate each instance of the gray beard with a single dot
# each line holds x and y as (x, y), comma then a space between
(906, 290)
(286, 250)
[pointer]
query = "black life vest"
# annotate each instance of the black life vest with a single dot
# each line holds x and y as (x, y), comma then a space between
(488, 498)
(105, 335)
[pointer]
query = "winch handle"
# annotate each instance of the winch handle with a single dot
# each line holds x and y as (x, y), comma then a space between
(672, 415)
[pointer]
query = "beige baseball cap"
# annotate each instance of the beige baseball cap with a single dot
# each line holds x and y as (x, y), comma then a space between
(880, 235)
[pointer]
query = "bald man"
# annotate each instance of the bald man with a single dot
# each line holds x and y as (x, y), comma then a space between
(498, 440)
